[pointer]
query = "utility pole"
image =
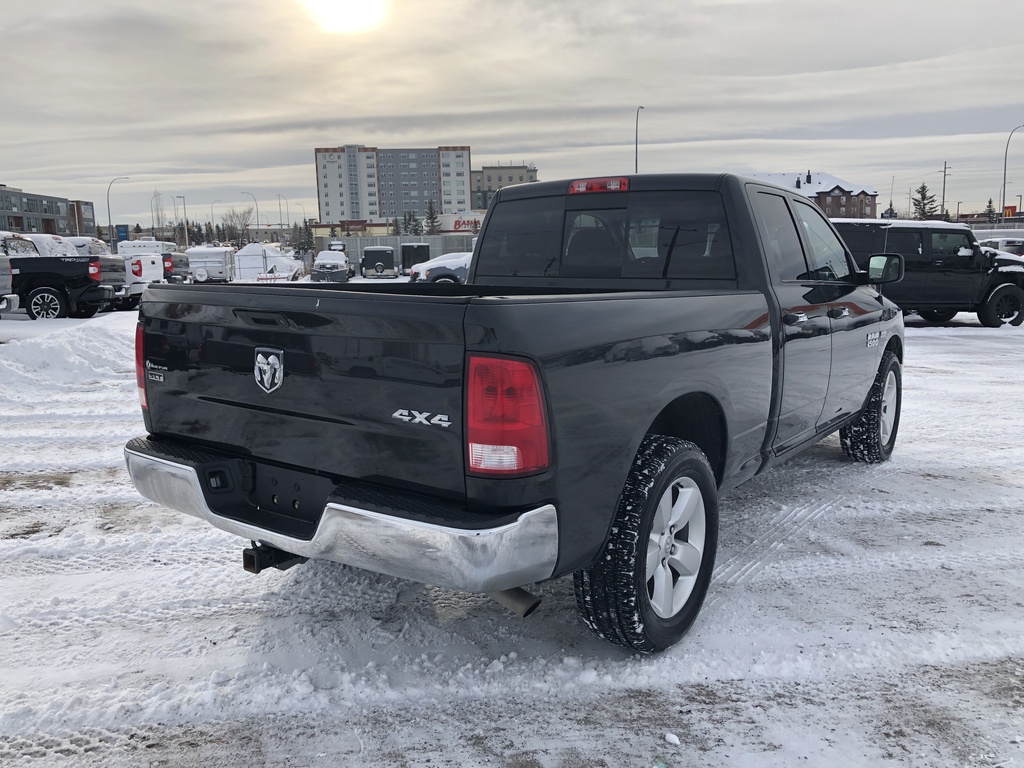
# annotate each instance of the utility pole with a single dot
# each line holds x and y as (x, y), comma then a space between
(942, 207)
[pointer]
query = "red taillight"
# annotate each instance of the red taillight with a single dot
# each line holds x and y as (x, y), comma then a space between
(168, 266)
(94, 270)
(137, 267)
(506, 430)
(140, 368)
(583, 186)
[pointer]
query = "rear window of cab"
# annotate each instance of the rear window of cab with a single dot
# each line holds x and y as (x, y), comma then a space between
(658, 235)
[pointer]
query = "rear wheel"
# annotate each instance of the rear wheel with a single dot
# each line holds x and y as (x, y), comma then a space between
(937, 315)
(1004, 306)
(649, 584)
(84, 310)
(446, 280)
(873, 436)
(46, 303)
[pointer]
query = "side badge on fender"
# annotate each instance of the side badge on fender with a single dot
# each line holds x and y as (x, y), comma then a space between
(269, 368)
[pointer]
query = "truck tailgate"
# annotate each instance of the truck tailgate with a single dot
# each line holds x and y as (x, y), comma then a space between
(363, 385)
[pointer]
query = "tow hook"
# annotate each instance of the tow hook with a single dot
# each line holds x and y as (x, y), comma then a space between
(259, 557)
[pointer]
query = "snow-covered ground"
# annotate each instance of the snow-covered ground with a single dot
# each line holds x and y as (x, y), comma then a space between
(859, 615)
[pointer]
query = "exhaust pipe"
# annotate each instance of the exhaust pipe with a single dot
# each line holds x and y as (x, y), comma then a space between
(517, 600)
(259, 557)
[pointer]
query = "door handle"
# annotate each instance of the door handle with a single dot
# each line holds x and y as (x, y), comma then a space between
(839, 312)
(794, 318)
(937, 263)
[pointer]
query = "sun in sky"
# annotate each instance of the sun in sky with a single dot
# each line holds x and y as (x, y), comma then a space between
(348, 16)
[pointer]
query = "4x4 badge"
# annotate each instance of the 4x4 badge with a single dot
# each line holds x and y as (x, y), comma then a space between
(269, 368)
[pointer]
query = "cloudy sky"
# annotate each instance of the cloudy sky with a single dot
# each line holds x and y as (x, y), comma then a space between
(213, 99)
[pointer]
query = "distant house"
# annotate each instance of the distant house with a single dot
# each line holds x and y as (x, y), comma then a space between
(837, 198)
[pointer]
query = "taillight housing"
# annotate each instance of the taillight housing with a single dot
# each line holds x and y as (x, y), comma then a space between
(137, 267)
(94, 270)
(140, 368)
(168, 266)
(609, 184)
(506, 425)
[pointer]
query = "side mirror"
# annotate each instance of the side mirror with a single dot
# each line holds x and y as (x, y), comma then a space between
(885, 268)
(965, 251)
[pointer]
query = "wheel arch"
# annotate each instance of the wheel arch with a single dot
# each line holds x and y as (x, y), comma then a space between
(699, 418)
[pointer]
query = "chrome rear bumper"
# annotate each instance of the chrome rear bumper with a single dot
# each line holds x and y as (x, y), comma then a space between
(471, 560)
(9, 302)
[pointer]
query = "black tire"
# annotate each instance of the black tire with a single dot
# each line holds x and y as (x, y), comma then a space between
(46, 303)
(84, 311)
(623, 597)
(1004, 306)
(446, 280)
(872, 437)
(937, 315)
(125, 305)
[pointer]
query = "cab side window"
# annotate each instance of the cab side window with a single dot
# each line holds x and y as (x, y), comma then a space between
(779, 236)
(948, 244)
(828, 255)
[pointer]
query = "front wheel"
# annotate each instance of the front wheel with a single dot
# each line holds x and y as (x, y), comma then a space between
(1004, 306)
(446, 280)
(872, 436)
(46, 303)
(648, 585)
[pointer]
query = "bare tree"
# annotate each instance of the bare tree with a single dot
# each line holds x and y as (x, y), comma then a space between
(236, 223)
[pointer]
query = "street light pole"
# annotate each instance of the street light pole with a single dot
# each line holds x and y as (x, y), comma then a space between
(184, 212)
(287, 213)
(636, 143)
(1002, 211)
(110, 221)
(958, 209)
(213, 229)
(250, 194)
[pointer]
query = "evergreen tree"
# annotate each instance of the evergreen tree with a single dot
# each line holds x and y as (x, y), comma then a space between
(209, 232)
(395, 227)
(138, 229)
(308, 243)
(334, 231)
(990, 212)
(406, 223)
(476, 226)
(218, 233)
(432, 222)
(924, 203)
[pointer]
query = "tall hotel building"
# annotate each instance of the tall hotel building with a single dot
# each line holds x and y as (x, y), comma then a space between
(378, 185)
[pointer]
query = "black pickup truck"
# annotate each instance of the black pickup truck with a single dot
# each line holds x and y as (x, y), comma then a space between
(63, 285)
(624, 348)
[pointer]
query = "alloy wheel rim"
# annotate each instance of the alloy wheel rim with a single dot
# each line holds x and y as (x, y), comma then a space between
(675, 547)
(887, 420)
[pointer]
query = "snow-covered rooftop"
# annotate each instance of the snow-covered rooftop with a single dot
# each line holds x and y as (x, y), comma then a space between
(811, 183)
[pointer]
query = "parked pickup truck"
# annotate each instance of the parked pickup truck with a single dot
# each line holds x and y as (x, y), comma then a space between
(9, 300)
(62, 284)
(624, 349)
(947, 270)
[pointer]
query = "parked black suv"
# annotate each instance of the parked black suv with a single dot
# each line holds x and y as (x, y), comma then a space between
(947, 270)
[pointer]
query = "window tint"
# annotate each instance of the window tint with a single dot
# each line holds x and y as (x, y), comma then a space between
(827, 256)
(948, 244)
(780, 238)
(860, 240)
(906, 243)
(680, 235)
(523, 238)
